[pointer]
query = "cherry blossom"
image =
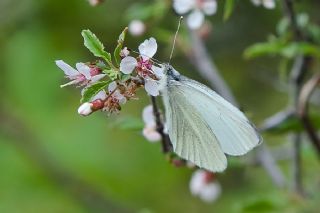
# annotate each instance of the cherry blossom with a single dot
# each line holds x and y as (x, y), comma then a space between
(197, 9)
(150, 129)
(144, 66)
(269, 4)
(83, 75)
(136, 27)
(204, 185)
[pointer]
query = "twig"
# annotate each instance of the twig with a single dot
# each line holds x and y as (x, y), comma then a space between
(24, 140)
(207, 69)
(165, 140)
(304, 97)
(297, 74)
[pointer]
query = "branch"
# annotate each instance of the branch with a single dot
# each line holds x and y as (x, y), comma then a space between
(207, 69)
(303, 110)
(300, 68)
(165, 140)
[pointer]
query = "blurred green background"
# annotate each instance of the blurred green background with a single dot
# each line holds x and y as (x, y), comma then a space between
(53, 160)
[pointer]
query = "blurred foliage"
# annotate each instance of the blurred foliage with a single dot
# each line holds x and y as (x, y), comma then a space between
(100, 150)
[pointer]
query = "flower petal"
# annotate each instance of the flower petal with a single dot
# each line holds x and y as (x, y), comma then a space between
(66, 68)
(151, 87)
(112, 86)
(209, 7)
(269, 4)
(148, 48)
(197, 182)
(84, 70)
(97, 78)
(256, 2)
(85, 109)
(147, 115)
(151, 134)
(158, 71)
(128, 64)
(122, 100)
(195, 19)
(100, 95)
(183, 6)
(210, 192)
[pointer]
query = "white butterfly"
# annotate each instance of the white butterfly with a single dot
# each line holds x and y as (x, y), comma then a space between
(203, 126)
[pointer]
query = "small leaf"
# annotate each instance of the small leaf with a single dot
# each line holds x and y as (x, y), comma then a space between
(228, 8)
(264, 48)
(92, 90)
(125, 77)
(101, 65)
(95, 45)
(119, 46)
(112, 74)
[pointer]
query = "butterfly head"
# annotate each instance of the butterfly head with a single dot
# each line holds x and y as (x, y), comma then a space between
(171, 73)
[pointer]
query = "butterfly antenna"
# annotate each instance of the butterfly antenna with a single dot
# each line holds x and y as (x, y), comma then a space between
(175, 38)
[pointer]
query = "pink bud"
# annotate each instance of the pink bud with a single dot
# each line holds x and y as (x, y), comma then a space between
(85, 109)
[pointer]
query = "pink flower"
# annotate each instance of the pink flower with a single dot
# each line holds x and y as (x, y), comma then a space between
(150, 129)
(136, 27)
(144, 66)
(83, 75)
(197, 9)
(204, 185)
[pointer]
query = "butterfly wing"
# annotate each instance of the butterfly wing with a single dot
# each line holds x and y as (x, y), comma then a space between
(192, 138)
(235, 134)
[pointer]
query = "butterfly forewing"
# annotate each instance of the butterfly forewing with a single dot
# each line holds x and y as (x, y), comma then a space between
(191, 136)
(234, 132)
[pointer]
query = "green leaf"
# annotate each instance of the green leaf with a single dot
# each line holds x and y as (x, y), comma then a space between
(95, 45)
(118, 49)
(112, 74)
(288, 122)
(300, 48)
(265, 48)
(125, 77)
(229, 6)
(92, 90)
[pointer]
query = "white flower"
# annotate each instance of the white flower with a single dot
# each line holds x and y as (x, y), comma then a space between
(85, 109)
(152, 87)
(112, 88)
(128, 64)
(150, 130)
(202, 186)
(197, 10)
(81, 75)
(94, 2)
(147, 50)
(136, 27)
(269, 4)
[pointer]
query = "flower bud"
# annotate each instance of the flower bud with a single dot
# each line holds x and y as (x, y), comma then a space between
(136, 28)
(85, 109)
